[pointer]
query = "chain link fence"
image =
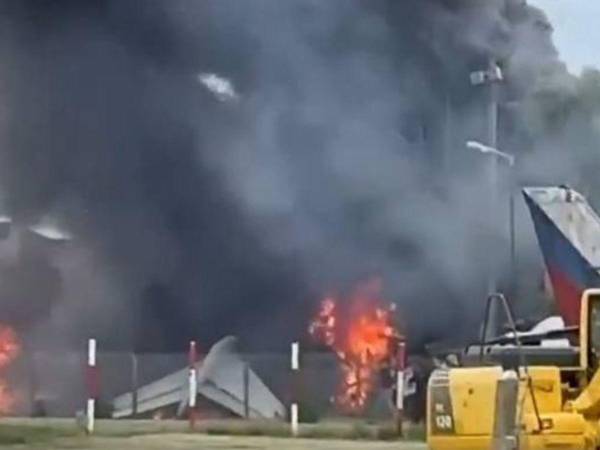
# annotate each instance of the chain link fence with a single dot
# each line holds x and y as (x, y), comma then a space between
(54, 385)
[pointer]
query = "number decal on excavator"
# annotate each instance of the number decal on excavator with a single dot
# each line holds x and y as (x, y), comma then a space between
(441, 419)
(443, 422)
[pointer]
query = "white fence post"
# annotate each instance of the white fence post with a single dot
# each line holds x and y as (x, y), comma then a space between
(295, 362)
(192, 384)
(92, 379)
(401, 368)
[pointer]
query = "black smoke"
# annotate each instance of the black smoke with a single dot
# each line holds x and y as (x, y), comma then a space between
(340, 155)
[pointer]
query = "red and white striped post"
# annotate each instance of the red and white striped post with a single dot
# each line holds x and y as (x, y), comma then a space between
(400, 369)
(92, 386)
(192, 384)
(295, 363)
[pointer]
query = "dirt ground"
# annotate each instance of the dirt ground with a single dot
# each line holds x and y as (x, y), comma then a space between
(204, 442)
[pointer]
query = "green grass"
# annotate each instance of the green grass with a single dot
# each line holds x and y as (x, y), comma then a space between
(37, 432)
(28, 435)
(353, 430)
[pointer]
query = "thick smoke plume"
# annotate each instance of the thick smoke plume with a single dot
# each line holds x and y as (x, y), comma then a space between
(222, 164)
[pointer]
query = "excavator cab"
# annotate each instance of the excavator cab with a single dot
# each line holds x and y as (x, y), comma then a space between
(555, 405)
(592, 302)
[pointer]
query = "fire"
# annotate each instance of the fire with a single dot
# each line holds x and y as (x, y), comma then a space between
(7, 399)
(360, 331)
(9, 346)
(9, 350)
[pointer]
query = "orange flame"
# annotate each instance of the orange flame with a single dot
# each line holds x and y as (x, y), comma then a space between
(7, 399)
(362, 336)
(9, 346)
(9, 350)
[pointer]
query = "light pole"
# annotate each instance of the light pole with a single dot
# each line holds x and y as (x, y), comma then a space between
(490, 77)
(510, 160)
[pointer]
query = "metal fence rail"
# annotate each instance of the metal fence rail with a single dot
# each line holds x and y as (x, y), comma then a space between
(54, 384)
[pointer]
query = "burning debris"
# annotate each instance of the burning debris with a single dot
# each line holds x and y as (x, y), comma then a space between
(9, 350)
(360, 331)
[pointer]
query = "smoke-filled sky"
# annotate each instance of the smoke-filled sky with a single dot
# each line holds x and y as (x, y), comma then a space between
(575, 24)
(221, 164)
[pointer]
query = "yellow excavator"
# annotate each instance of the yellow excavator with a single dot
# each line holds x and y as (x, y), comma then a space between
(510, 394)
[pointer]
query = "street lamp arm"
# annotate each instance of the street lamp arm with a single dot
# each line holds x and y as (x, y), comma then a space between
(475, 145)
